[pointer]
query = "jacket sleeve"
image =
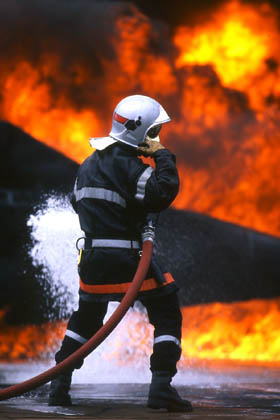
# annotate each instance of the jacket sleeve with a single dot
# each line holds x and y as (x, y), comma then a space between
(156, 189)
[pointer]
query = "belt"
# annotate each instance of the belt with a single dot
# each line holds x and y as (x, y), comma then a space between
(111, 243)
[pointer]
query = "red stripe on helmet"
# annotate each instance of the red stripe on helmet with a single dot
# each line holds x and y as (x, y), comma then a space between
(119, 118)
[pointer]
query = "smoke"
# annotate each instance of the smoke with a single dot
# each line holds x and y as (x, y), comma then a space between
(181, 12)
(62, 39)
(71, 43)
(74, 28)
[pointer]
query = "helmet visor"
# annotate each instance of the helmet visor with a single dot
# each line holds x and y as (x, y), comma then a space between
(154, 131)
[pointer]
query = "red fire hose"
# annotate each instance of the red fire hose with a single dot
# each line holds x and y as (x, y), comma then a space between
(102, 333)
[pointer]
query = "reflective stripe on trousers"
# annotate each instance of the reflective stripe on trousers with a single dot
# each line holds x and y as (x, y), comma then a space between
(76, 336)
(165, 338)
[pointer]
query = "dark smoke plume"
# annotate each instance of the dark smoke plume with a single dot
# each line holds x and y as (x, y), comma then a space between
(78, 32)
(182, 12)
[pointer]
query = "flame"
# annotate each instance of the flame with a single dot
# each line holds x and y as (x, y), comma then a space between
(136, 64)
(240, 42)
(238, 332)
(19, 343)
(220, 81)
(27, 102)
(236, 42)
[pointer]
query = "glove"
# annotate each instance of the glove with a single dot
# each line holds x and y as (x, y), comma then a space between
(149, 147)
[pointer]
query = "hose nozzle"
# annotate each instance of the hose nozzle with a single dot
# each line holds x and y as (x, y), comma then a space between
(148, 233)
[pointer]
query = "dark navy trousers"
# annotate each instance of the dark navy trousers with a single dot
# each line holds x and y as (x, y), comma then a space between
(164, 314)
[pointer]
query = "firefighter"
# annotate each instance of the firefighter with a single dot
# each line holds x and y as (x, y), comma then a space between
(114, 195)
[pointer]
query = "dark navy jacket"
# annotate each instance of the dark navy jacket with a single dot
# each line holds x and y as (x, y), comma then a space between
(113, 194)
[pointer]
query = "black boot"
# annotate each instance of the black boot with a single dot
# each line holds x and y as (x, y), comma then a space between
(60, 387)
(163, 395)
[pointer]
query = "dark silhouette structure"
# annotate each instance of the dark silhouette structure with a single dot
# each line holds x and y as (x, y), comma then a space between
(210, 259)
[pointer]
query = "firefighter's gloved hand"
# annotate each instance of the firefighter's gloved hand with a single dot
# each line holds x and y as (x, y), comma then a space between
(149, 147)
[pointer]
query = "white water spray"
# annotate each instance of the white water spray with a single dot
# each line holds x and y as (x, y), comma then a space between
(54, 231)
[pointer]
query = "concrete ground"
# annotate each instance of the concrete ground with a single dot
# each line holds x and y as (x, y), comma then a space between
(128, 402)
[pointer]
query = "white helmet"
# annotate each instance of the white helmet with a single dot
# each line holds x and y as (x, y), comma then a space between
(133, 119)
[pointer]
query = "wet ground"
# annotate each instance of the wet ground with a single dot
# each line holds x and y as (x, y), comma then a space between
(217, 391)
(127, 401)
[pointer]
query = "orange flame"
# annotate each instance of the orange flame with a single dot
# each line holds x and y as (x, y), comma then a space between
(225, 78)
(241, 43)
(223, 90)
(27, 102)
(19, 343)
(237, 41)
(240, 332)
(237, 332)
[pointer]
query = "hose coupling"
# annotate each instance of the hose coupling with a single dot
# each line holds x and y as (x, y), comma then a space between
(148, 233)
